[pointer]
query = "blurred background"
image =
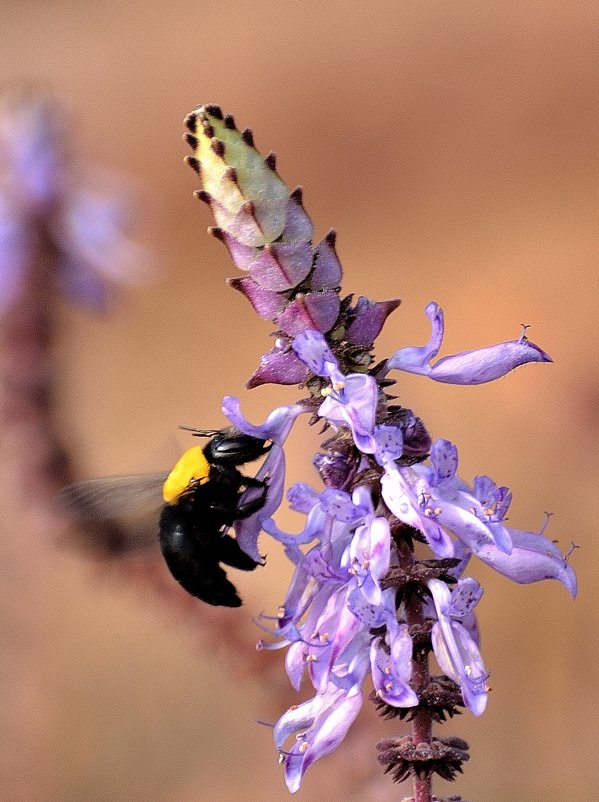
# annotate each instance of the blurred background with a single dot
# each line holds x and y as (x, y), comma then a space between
(454, 148)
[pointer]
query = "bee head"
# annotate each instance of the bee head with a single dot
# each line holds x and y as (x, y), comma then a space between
(231, 447)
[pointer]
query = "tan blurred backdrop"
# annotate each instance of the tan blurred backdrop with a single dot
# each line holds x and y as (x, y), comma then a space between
(454, 148)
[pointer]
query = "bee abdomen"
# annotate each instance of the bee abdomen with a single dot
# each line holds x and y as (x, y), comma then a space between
(193, 562)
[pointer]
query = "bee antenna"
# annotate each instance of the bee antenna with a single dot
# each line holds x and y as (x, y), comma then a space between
(200, 432)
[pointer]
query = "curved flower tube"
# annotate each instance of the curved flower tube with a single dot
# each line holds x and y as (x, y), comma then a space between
(468, 367)
(533, 558)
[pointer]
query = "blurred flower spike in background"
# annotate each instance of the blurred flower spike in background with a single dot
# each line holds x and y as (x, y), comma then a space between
(44, 204)
(362, 602)
(66, 228)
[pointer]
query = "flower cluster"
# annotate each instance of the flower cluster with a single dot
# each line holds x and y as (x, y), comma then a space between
(340, 619)
(361, 603)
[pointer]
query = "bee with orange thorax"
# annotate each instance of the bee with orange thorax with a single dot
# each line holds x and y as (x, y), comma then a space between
(202, 495)
(201, 498)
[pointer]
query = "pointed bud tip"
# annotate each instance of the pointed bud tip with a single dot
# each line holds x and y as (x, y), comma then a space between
(192, 162)
(217, 147)
(213, 109)
(248, 137)
(231, 174)
(191, 122)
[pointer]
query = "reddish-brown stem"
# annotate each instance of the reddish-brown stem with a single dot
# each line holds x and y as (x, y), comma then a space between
(38, 462)
(422, 724)
(33, 465)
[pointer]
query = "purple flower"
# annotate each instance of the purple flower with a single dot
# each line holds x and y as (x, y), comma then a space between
(351, 400)
(407, 496)
(314, 351)
(434, 499)
(475, 521)
(15, 252)
(431, 497)
(319, 725)
(455, 649)
(391, 665)
(32, 152)
(86, 232)
(369, 557)
(468, 367)
(334, 601)
(276, 428)
(533, 558)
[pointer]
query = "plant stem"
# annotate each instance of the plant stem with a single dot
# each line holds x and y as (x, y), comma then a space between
(422, 723)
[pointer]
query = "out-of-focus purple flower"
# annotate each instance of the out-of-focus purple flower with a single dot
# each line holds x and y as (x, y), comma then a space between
(86, 233)
(468, 367)
(455, 650)
(32, 152)
(94, 231)
(15, 249)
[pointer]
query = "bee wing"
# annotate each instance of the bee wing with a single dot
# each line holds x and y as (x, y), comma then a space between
(116, 514)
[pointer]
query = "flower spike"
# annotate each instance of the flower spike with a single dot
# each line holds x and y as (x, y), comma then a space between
(361, 605)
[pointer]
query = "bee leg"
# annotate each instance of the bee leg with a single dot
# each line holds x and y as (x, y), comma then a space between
(231, 553)
(253, 505)
(230, 514)
(250, 481)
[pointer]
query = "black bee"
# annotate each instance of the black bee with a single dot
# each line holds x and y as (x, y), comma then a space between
(201, 498)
